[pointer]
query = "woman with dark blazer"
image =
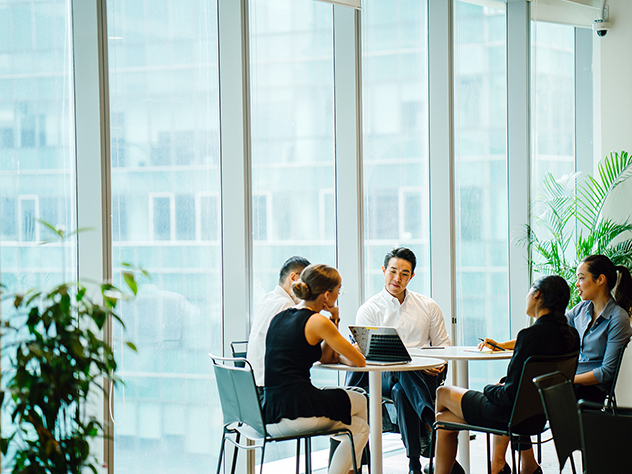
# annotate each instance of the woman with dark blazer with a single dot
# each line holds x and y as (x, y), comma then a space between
(549, 335)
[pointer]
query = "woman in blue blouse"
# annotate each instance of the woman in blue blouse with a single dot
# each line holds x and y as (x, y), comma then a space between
(602, 320)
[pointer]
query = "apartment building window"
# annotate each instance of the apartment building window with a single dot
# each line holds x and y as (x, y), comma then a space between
(207, 210)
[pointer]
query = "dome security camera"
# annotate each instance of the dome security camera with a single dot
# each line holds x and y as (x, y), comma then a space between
(601, 27)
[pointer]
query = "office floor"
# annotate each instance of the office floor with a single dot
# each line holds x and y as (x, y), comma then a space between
(395, 461)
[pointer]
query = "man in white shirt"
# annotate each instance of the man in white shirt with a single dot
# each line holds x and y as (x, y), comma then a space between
(279, 299)
(419, 322)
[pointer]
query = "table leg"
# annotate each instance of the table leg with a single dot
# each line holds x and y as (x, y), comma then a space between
(462, 380)
(375, 416)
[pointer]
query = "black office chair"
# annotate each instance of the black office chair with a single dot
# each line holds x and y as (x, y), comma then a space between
(243, 415)
(606, 439)
(560, 407)
(527, 418)
(611, 402)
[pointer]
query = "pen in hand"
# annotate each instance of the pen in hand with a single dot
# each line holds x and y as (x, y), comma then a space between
(495, 346)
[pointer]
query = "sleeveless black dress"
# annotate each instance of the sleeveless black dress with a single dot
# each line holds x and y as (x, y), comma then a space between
(288, 391)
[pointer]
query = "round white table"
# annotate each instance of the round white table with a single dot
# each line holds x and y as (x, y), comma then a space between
(461, 355)
(375, 396)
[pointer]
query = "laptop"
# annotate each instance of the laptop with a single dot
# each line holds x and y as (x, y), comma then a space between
(380, 345)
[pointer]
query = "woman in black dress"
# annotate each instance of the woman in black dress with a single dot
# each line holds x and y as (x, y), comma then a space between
(297, 338)
(549, 335)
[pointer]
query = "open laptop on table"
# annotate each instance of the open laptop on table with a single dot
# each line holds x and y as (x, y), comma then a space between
(380, 345)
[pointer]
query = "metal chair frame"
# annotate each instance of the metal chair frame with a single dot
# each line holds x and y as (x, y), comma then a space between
(243, 415)
(611, 401)
(560, 407)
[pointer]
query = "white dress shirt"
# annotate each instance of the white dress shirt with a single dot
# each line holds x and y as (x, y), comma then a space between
(418, 319)
(270, 305)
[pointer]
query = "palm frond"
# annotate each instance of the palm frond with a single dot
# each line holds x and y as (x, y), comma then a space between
(592, 194)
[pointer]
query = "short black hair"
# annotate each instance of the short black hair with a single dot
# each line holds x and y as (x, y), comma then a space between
(403, 253)
(293, 264)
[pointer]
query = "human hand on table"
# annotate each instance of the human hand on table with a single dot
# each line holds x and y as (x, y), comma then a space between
(434, 371)
(488, 343)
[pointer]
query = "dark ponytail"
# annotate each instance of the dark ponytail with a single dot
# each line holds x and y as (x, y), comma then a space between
(554, 294)
(623, 289)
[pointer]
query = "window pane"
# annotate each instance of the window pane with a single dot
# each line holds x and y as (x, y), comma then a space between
(37, 156)
(292, 133)
(395, 142)
(291, 54)
(553, 102)
(480, 103)
(165, 183)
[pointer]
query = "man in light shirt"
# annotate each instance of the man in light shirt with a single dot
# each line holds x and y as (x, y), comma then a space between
(419, 322)
(279, 299)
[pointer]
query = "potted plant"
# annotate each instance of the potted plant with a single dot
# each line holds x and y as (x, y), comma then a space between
(58, 359)
(572, 225)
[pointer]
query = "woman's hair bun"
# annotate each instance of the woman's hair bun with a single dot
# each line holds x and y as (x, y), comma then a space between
(300, 289)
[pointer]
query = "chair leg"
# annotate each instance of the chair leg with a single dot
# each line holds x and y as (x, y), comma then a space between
(353, 455)
(235, 452)
(298, 455)
(433, 440)
(572, 465)
(308, 455)
(489, 458)
(539, 448)
(221, 453)
(263, 453)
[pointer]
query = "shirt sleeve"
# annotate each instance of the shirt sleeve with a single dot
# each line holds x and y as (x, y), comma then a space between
(572, 313)
(619, 333)
(505, 394)
(367, 315)
(438, 333)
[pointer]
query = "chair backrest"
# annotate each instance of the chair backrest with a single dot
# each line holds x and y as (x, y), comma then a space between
(611, 404)
(560, 407)
(238, 393)
(239, 350)
(527, 416)
(606, 440)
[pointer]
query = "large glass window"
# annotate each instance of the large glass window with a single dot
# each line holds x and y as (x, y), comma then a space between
(480, 102)
(553, 101)
(37, 165)
(293, 156)
(291, 52)
(37, 153)
(395, 140)
(165, 198)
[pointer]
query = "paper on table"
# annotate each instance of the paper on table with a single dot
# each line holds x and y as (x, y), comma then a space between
(487, 350)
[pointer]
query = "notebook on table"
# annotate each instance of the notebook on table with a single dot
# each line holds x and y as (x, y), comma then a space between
(380, 345)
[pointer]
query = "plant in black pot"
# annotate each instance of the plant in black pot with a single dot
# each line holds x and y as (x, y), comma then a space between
(57, 360)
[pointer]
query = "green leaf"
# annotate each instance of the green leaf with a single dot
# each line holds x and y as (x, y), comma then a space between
(131, 346)
(131, 281)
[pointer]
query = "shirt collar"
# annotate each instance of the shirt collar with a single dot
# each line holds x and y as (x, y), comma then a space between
(279, 290)
(607, 311)
(392, 299)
